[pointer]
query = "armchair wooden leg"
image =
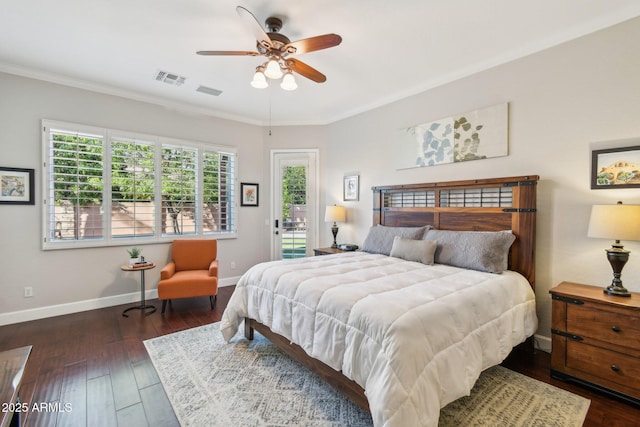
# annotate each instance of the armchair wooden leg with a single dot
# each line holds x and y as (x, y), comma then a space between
(212, 300)
(164, 304)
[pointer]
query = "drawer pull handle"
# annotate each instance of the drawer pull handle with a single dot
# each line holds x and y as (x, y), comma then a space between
(615, 368)
(615, 329)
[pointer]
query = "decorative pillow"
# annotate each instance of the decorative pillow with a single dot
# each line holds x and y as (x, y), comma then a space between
(380, 237)
(414, 250)
(477, 250)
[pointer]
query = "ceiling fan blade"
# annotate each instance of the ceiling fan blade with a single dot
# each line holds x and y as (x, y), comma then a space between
(227, 52)
(314, 43)
(258, 32)
(305, 70)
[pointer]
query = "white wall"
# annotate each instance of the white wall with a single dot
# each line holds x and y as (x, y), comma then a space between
(563, 102)
(69, 280)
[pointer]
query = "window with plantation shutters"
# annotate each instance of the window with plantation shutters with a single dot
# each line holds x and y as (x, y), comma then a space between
(106, 187)
(75, 185)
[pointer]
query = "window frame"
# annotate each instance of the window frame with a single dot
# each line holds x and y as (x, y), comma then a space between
(159, 143)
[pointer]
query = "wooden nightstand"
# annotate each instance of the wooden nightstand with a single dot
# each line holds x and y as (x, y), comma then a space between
(596, 339)
(327, 251)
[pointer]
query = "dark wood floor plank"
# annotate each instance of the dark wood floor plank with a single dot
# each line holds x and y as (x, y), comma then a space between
(72, 406)
(133, 415)
(48, 387)
(107, 350)
(122, 378)
(145, 373)
(157, 407)
(101, 408)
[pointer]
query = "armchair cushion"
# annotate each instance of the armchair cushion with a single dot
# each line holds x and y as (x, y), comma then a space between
(193, 254)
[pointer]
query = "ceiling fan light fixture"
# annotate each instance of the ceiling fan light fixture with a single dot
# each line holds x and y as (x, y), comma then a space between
(273, 70)
(288, 82)
(259, 80)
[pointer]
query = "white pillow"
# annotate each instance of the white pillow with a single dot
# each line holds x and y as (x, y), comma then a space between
(414, 250)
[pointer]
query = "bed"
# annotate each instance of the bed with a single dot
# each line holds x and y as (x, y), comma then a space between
(398, 333)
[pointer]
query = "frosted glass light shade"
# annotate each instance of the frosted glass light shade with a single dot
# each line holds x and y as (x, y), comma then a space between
(288, 82)
(273, 70)
(259, 81)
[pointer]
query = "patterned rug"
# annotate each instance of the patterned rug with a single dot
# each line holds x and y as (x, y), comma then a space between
(252, 383)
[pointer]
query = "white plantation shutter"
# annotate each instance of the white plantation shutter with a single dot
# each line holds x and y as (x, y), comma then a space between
(218, 191)
(133, 210)
(75, 176)
(179, 185)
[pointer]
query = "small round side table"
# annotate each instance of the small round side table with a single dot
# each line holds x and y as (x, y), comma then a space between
(143, 306)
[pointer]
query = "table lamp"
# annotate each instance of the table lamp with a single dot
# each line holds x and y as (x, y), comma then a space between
(618, 222)
(336, 214)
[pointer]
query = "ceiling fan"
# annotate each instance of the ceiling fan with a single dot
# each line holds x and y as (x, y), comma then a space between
(279, 49)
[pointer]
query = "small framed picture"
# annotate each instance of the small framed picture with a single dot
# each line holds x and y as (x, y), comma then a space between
(351, 187)
(249, 194)
(615, 168)
(17, 186)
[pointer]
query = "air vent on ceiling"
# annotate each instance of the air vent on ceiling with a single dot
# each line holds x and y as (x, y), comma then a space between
(170, 78)
(209, 90)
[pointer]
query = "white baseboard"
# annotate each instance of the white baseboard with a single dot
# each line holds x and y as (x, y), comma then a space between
(92, 304)
(542, 343)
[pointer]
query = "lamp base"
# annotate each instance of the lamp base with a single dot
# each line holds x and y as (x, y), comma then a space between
(617, 257)
(617, 291)
(334, 231)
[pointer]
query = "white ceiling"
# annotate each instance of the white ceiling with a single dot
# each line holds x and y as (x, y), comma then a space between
(390, 49)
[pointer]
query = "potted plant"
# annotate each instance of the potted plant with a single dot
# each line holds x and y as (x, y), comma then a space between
(134, 255)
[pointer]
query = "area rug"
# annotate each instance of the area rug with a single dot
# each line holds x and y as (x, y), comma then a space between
(252, 383)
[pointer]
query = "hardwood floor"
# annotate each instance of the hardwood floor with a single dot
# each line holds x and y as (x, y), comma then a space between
(96, 362)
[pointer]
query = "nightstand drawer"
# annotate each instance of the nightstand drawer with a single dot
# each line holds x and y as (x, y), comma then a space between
(607, 368)
(623, 330)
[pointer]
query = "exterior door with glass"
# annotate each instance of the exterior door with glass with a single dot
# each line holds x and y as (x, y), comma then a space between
(295, 205)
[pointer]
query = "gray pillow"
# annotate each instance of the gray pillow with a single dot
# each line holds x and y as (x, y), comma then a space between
(414, 250)
(380, 237)
(477, 250)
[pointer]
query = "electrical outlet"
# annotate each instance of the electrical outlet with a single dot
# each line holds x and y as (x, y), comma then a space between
(28, 291)
(233, 265)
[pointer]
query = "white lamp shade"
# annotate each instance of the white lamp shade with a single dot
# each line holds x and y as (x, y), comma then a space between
(259, 81)
(335, 214)
(617, 222)
(273, 70)
(288, 82)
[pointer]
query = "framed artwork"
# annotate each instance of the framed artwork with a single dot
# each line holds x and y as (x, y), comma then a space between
(473, 135)
(351, 188)
(17, 186)
(615, 168)
(249, 194)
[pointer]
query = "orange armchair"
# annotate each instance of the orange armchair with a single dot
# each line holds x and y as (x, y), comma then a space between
(192, 272)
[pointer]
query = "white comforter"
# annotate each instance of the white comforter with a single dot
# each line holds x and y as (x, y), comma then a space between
(415, 337)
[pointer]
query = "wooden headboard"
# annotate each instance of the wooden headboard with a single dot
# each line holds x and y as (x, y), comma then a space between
(478, 205)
